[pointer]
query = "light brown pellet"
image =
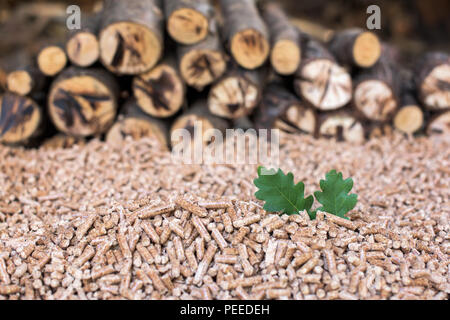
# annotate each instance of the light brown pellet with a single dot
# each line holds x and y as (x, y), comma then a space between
(150, 212)
(246, 221)
(150, 231)
(191, 207)
(198, 224)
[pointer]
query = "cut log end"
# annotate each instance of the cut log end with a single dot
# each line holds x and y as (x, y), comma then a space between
(409, 119)
(285, 57)
(435, 89)
(62, 141)
(136, 128)
(129, 48)
(51, 60)
(202, 67)
(19, 82)
(343, 127)
(83, 49)
(375, 100)
(325, 84)
(297, 118)
(20, 118)
(366, 49)
(82, 105)
(189, 122)
(249, 48)
(159, 92)
(233, 97)
(440, 124)
(187, 26)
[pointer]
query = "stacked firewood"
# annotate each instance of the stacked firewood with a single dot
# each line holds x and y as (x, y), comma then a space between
(147, 67)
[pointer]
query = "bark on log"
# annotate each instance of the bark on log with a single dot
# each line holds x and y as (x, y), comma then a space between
(131, 35)
(285, 55)
(21, 119)
(83, 102)
(355, 47)
(281, 109)
(320, 81)
(51, 59)
(160, 92)
(377, 90)
(439, 124)
(202, 63)
(82, 45)
(198, 119)
(188, 20)
(245, 32)
(433, 80)
(136, 124)
(237, 93)
(341, 125)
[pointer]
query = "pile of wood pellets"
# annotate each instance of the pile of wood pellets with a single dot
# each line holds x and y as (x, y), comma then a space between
(106, 222)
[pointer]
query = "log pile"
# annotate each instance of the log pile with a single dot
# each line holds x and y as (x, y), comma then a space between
(147, 67)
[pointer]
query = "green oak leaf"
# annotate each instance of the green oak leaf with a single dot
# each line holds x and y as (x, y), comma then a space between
(334, 196)
(279, 192)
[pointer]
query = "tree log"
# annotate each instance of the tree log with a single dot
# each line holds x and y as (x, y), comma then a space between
(433, 80)
(82, 45)
(439, 124)
(376, 91)
(188, 20)
(355, 47)
(160, 92)
(409, 118)
(136, 124)
(83, 102)
(21, 119)
(320, 81)
(21, 74)
(245, 32)
(281, 109)
(51, 59)
(202, 63)
(62, 141)
(237, 93)
(131, 35)
(341, 125)
(285, 39)
(198, 117)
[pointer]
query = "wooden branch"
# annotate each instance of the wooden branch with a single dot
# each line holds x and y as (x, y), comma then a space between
(204, 62)
(188, 20)
(285, 40)
(237, 93)
(51, 59)
(439, 124)
(160, 92)
(82, 45)
(376, 91)
(136, 124)
(281, 109)
(355, 47)
(341, 125)
(83, 102)
(20, 119)
(433, 80)
(245, 32)
(131, 36)
(198, 116)
(320, 81)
